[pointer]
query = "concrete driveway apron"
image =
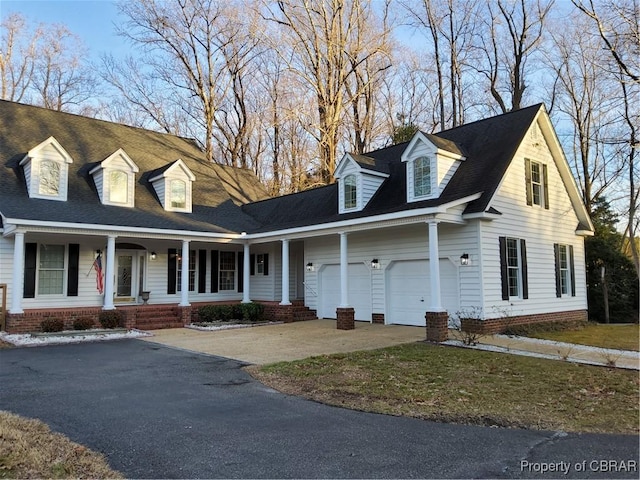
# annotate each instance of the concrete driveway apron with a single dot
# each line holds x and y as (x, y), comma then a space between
(159, 412)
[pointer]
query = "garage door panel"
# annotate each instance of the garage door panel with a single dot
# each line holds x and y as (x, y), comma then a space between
(359, 291)
(409, 290)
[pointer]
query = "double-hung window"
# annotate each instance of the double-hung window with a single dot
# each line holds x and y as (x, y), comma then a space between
(118, 186)
(565, 277)
(513, 268)
(227, 270)
(421, 177)
(192, 271)
(350, 192)
(51, 270)
(537, 184)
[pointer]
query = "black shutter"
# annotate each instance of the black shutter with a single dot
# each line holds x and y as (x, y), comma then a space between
(266, 264)
(556, 259)
(30, 255)
(214, 271)
(545, 187)
(503, 268)
(202, 271)
(527, 180)
(573, 273)
(73, 270)
(240, 272)
(172, 266)
(523, 262)
(252, 267)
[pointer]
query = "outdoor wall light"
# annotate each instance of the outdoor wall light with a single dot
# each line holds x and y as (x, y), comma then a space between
(310, 267)
(464, 259)
(375, 264)
(153, 255)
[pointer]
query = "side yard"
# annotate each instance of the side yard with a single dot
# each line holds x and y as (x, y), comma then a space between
(466, 386)
(620, 336)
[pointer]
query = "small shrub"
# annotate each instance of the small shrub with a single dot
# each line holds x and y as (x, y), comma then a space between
(252, 312)
(216, 313)
(52, 325)
(83, 323)
(111, 319)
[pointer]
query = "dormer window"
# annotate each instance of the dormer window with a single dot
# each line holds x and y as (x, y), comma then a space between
(46, 170)
(49, 178)
(178, 194)
(118, 191)
(115, 179)
(422, 177)
(350, 192)
(431, 162)
(173, 185)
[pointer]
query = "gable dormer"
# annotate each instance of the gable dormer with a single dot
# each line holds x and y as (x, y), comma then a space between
(174, 186)
(115, 179)
(358, 180)
(46, 170)
(431, 162)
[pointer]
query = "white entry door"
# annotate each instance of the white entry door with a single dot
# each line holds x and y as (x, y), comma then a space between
(129, 281)
(409, 290)
(359, 291)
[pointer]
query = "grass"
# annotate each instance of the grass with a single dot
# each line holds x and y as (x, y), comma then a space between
(622, 337)
(466, 386)
(28, 449)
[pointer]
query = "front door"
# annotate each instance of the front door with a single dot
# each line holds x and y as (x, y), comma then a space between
(129, 275)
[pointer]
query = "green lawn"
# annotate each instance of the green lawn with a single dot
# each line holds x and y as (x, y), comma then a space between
(466, 386)
(623, 337)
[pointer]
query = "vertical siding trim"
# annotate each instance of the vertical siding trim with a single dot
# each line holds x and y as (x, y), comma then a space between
(240, 268)
(572, 272)
(556, 261)
(527, 180)
(524, 269)
(30, 255)
(214, 271)
(73, 270)
(202, 271)
(172, 265)
(503, 268)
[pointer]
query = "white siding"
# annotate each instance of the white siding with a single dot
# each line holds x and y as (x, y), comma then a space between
(159, 187)
(370, 185)
(541, 228)
(262, 287)
(398, 243)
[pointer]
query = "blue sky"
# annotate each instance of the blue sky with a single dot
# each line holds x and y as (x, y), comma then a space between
(92, 20)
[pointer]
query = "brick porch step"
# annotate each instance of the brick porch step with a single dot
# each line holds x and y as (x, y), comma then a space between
(155, 318)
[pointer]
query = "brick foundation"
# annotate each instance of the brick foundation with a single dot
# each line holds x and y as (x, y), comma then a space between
(30, 320)
(345, 318)
(377, 318)
(498, 325)
(437, 326)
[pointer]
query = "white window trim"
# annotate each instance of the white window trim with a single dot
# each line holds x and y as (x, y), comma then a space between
(65, 269)
(343, 187)
(235, 271)
(519, 296)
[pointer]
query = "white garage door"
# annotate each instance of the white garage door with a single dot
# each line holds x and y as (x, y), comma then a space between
(409, 290)
(359, 291)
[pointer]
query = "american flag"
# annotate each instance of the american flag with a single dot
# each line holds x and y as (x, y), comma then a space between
(97, 264)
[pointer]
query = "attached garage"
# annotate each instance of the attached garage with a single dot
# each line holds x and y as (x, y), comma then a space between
(359, 291)
(409, 290)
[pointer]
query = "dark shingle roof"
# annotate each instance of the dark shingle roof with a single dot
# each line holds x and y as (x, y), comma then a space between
(218, 191)
(488, 145)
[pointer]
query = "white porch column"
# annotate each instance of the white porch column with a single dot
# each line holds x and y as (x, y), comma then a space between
(246, 274)
(109, 273)
(434, 267)
(17, 287)
(285, 272)
(184, 279)
(344, 271)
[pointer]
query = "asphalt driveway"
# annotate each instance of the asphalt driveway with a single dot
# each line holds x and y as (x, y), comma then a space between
(159, 412)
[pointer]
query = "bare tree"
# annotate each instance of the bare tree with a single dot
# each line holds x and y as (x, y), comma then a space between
(321, 42)
(18, 54)
(62, 79)
(514, 31)
(584, 97)
(195, 49)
